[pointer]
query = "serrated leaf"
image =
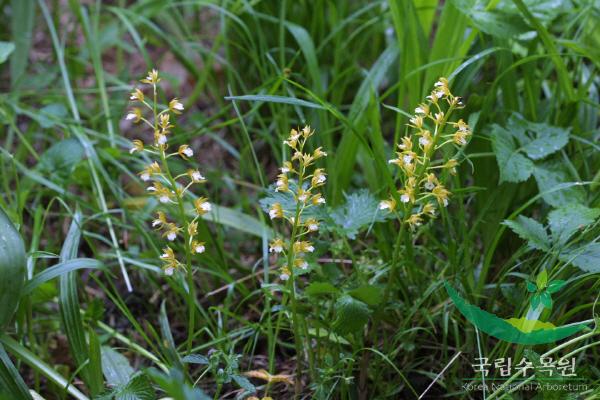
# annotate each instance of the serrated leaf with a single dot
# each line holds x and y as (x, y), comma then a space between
(565, 221)
(115, 367)
(244, 383)
(359, 211)
(371, 295)
(351, 315)
(319, 288)
(138, 388)
(530, 230)
(549, 176)
(548, 139)
(513, 166)
(586, 258)
(288, 203)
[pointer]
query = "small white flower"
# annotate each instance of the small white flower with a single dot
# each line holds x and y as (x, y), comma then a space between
(407, 158)
(169, 271)
(130, 116)
(445, 201)
(393, 161)
(439, 94)
(310, 249)
(273, 214)
(419, 110)
(302, 197)
(313, 227)
(197, 176)
(284, 170)
(200, 249)
(438, 84)
(405, 198)
(321, 200)
(276, 249)
(321, 178)
(151, 189)
(164, 255)
(171, 236)
(384, 205)
(132, 150)
(280, 183)
(188, 152)
(176, 105)
(284, 277)
(206, 206)
(423, 141)
(156, 223)
(145, 177)
(163, 199)
(429, 185)
(162, 139)
(303, 265)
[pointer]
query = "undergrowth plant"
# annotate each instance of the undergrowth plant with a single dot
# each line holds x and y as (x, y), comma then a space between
(168, 189)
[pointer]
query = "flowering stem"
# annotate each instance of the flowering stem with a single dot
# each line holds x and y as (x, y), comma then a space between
(295, 319)
(182, 217)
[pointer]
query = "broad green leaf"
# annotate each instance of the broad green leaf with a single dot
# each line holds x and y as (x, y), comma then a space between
(586, 257)
(351, 315)
(116, 368)
(567, 220)
(50, 113)
(319, 288)
(371, 295)
(359, 211)
(546, 299)
(555, 286)
(531, 287)
(530, 230)
(513, 166)
(542, 279)
(549, 176)
(60, 160)
(535, 301)
(504, 330)
(12, 269)
(6, 48)
(498, 23)
(527, 325)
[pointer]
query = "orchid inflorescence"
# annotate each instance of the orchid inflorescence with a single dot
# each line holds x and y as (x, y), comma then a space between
(422, 191)
(308, 180)
(165, 187)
